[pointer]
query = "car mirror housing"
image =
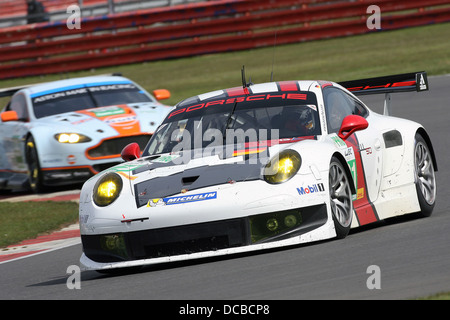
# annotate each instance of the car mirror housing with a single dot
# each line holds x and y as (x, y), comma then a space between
(161, 94)
(9, 116)
(351, 124)
(131, 152)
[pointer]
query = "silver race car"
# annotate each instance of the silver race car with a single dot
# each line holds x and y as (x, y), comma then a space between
(63, 132)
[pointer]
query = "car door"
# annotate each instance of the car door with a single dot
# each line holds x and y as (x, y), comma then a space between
(366, 146)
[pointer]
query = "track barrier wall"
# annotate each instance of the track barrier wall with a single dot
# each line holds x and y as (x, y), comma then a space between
(195, 29)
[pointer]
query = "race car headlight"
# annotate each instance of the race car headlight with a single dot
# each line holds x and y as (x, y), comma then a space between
(107, 189)
(282, 167)
(71, 138)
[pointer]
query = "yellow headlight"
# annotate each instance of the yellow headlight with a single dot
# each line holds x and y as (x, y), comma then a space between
(282, 167)
(107, 189)
(71, 138)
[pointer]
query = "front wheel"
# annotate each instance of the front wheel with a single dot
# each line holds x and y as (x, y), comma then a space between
(340, 198)
(424, 176)
(34, 169)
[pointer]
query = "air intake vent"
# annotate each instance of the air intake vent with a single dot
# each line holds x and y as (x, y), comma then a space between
(189, 180)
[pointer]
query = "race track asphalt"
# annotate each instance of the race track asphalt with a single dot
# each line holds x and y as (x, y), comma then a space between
(412, 255)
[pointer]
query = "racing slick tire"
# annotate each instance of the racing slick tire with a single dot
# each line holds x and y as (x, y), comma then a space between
(424, 176)
(34, 169)
(340, 198)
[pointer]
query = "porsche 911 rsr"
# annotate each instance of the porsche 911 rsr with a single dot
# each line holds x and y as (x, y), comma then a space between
(256, 167)
(63, 132)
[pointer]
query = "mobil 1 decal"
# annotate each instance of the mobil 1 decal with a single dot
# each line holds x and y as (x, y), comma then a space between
(365, 211)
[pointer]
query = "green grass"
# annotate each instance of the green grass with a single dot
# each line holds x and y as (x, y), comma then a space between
(439, 296)
(27, 220)
(376, 54)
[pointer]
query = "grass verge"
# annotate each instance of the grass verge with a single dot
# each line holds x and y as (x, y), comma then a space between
(27, 220)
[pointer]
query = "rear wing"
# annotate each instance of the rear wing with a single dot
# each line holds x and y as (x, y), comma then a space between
(416, 81)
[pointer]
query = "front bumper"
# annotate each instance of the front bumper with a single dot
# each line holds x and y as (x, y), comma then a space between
(204, 239)
(72, 175)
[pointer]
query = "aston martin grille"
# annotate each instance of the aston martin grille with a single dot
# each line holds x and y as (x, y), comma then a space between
(114, 146)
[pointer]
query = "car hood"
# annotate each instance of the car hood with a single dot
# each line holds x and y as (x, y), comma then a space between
(161, 176)
(126, 119)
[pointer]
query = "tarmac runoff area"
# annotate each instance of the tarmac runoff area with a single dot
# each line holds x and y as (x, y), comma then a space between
(59, 239)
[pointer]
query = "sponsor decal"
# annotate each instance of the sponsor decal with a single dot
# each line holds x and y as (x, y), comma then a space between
(182, 199)
(232, 100)
(80, 89)
(123, 170)
(71, 159)
(107, 111)
(120, 117)
(338, 141)
(315, 188)
(166, 158)
(360, 194)
(422, 82)
(367, 150)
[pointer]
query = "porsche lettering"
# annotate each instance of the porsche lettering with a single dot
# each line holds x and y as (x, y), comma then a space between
(288, 96)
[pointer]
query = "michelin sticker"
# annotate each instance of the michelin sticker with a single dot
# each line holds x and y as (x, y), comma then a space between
(181, 199)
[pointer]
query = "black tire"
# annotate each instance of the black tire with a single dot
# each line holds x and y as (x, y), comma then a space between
(424, 176)
(340, 198)
(34, 169)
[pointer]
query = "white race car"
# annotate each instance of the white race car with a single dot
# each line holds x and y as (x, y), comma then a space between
(64, 132)
(256, 167)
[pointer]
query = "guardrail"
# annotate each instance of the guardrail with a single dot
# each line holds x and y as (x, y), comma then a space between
(14, 12)
(194, 29)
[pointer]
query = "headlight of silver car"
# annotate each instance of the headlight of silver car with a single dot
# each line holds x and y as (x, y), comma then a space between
(107, 189)
(282, 167)
(68, 137)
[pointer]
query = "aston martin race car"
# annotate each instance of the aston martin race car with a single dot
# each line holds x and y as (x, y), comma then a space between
(63, 132)
(256, 167)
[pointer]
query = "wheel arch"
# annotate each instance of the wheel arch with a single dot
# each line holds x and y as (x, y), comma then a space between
(427, 139)
(341, 158)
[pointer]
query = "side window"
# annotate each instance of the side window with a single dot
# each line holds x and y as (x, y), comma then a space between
(18, 104)
(338, 105)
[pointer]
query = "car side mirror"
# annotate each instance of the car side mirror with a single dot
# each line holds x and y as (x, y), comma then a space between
(131, 152)
(9, 116)
(161, 94)
(351, 124)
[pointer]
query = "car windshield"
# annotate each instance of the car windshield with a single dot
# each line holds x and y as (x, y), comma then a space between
(237, 121)
(86, 96)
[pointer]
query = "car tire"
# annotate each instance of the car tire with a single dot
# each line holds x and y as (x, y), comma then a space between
(34, 168)
(340, 198)
(424, 176)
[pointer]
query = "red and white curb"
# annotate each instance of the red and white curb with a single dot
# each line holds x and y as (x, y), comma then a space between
(57, 240)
